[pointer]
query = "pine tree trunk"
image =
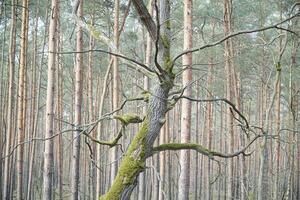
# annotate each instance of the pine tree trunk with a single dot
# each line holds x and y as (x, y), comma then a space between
(229, 69)
(10, 113)
(78, 105)
(21, 99)
(114, 165)
(34, 107)
(48, 152)
(184, 178)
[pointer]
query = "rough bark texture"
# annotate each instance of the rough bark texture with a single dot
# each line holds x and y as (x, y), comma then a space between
(148, 60)
(184, 178)
(145, 17)
(133, 162)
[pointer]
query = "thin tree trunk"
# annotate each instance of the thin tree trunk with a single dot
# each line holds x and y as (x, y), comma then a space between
(91, 112)
(209, 127)
(59, 110)
(197, 141)
(10, 113)
(230, 95)
(114, 165)
(184, 178)
(21, 99)
(34, 107)
(78, 104)
(264, 156)
(48, 152)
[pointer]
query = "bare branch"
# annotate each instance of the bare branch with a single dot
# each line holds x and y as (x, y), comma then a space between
(274, 26)
(35, 139)
(215, 100)
(110, 53)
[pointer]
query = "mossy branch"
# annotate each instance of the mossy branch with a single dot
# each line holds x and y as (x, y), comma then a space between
(128, 119)
(200, 149)
(112, 143)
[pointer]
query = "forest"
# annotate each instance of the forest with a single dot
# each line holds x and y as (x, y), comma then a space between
(149, 99)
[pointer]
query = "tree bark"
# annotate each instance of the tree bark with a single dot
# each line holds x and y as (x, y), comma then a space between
(34, 102)
(114, 165)
(184, 178)
(21, 99)
(229, 69)
(48, 152)
(11, 94)
(78, 104)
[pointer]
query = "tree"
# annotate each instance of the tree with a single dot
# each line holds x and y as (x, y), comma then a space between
(21, 99)
(48, 152)
(78, 106)
(11, 91)
(116, 83)
(184, 178)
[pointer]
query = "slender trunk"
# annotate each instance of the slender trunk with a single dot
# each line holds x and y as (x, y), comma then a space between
(48, 152)
(78, 104)
(209, 128)
(230, 94)
(59, 110)
(34, 107)
(264, 156)
(184, 178)
(197, 141)
(21, 99)
(91, 112)
(114, 165)
(11, 94)
(277, 123)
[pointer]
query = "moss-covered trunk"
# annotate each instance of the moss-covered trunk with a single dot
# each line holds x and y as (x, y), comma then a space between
(133, 162)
